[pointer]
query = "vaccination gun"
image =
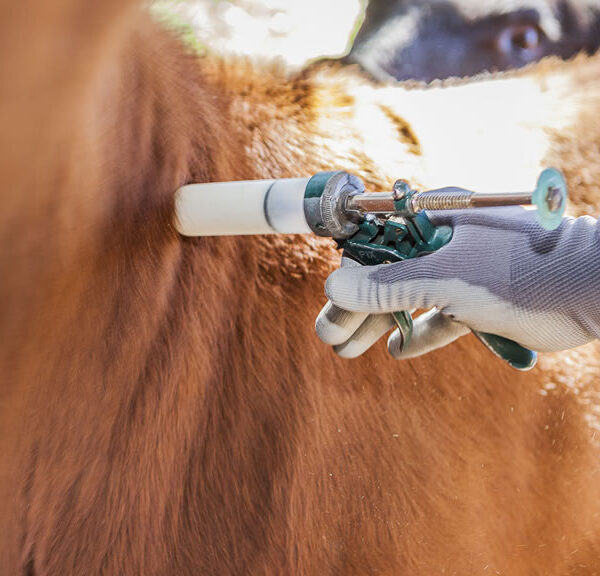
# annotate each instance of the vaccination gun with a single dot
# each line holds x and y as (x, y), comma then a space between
(371, 228)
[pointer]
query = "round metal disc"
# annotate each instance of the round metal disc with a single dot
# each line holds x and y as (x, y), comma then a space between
(550, 198)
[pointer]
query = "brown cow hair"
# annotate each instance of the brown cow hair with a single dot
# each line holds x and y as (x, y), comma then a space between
(165, 407)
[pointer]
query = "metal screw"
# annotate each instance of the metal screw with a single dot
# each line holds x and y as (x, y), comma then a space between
(400, 190)
(554, 198)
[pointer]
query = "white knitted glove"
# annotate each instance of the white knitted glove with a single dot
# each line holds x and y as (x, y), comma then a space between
(501, 273)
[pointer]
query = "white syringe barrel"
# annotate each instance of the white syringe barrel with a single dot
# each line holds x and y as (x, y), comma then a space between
(242, 208)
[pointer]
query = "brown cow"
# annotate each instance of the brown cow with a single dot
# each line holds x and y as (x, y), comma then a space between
(165, 407)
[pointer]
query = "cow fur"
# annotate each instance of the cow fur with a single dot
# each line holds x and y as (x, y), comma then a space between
(165, 407)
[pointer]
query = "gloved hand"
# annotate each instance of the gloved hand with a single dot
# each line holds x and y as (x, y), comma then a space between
(501, 273)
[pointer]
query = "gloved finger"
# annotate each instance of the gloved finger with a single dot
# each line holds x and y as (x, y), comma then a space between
(386, 288)
(335, 326)
(369, 332)
(431, 330)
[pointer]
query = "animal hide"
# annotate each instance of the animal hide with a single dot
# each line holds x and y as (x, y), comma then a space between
(165, 407)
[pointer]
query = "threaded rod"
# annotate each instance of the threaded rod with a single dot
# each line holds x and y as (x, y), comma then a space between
(458, 199)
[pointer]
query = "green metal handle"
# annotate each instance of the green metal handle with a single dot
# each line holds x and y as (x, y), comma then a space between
(404, 322)
(514, 354)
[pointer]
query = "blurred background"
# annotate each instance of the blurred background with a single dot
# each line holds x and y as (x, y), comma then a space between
(294, 31)
(395, 39)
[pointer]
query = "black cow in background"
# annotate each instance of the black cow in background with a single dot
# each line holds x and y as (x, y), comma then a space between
(428, 39)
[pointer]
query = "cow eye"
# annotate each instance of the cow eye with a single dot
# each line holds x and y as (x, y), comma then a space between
(521, 40)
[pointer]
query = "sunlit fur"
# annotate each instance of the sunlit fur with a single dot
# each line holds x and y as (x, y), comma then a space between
(165, 407)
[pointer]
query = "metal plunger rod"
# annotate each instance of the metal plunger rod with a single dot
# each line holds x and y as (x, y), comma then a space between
(372, 203)
(442, 199)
